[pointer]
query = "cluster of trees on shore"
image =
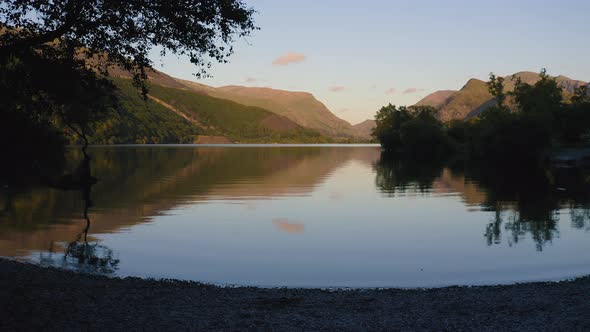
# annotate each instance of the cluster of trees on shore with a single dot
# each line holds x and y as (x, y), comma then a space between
(520, 127)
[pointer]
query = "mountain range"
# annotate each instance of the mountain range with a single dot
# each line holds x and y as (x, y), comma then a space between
(474, 97)
(274, 115)
(182, 111)
(300, 107)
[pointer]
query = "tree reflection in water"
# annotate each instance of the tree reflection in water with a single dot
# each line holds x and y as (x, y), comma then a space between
(81, 254)
(397, 175)
(526, 201)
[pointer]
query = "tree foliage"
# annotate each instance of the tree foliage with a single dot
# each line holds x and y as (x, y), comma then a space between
(123, 33)
(414, 130)
(496, 88)
(574, 121)
(55, 57)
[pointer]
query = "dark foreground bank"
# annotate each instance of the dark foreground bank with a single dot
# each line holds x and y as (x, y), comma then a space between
(32, 297)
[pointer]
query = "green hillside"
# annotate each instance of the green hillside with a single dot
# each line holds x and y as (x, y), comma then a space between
(300, 107)
(237, 122)
(472, 96)
(172, 115)
(141, 122)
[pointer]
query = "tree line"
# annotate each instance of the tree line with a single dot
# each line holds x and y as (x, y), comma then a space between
(521, 126)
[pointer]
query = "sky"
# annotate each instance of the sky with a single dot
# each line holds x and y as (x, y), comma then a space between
(356, 56)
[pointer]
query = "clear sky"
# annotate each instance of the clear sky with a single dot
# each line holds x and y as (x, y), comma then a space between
(356, 56)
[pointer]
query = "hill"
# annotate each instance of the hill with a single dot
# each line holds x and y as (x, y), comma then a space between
(235, 121)
(436, 99)
(364, 128)
(179, 115)
(474, 97)
(140, 121)
(300, 107)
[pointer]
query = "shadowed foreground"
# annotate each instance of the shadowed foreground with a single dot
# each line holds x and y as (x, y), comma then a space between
(37, 298)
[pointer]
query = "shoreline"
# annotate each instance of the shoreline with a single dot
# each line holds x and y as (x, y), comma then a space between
(34, 297)
(233, 145)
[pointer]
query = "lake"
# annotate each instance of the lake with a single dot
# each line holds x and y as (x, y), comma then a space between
(304, 216)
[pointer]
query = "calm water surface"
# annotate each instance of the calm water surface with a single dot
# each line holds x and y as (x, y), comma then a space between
(316, 216)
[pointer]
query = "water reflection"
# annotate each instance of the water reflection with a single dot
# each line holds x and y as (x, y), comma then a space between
(401, 175)
(301, 216)
(288, 226)
(137, 183)
(82, 254)
(525, 202)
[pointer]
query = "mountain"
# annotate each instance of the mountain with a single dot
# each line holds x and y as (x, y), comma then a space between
(179, 115)
(364, 128)
(567, 84)
(436, 99)
(474, 97)
(300, 107)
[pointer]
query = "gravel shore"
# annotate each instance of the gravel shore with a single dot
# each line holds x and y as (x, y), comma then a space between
(36, 298)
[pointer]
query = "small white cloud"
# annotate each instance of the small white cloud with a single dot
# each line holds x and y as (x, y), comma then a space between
(413, 90)
(337, 88)
(289, 58)
(254, 80)
(391, 91)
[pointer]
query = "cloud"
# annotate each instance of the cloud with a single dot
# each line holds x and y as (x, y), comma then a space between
(251, 79)
(336, 88)
(288, 226)
(289, 58)
(391, 91)
(343, 110)
(412, 90)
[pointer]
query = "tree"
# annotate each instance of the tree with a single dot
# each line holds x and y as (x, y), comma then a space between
(55, 56)
(496, 88)
(122, 33)
(581, 95)
(412, 130)
(423, 136)
(574, 120)
(540, 104)
(542, 98)
(388, 122)
(520, 136)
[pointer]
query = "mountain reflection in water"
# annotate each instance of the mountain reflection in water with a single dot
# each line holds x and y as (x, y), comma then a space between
(305, 216)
